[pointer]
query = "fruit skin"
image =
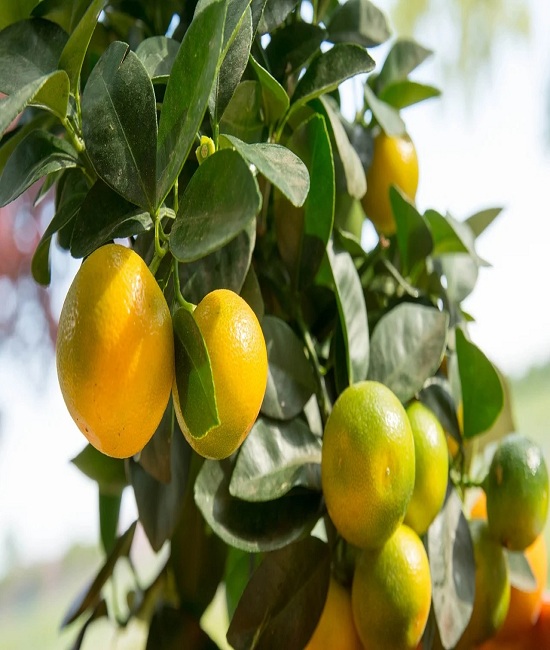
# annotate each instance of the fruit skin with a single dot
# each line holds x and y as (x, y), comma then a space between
(367, 465)
(517, 492)
(391, 593)
(432, 467)
(336, 628)
(115, 351)
(536, 638)
(394, 162)
(238, 356)
(492, 588)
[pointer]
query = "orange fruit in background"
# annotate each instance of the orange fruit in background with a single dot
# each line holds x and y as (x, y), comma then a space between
(394, 162)
(391, 593)
(115, 351)
(335, 628)
(368, 464)
(238, 356)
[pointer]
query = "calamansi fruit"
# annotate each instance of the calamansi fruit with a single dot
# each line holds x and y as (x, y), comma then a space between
(392, 592)
(238, 356)
(432, 467)
(394, 162)
(517, 492)
(115, 351)
(367, 465)
(335, 628)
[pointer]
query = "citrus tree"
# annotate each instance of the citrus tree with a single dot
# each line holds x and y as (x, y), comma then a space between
(301, 420)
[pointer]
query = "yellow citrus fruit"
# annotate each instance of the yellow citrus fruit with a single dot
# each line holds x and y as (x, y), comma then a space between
(335, 628)
(492, 588)
(115, 351)
(238, 356)
(432, 467)
(391, 593)
(367, 465)
(517, 492)
(394, 162)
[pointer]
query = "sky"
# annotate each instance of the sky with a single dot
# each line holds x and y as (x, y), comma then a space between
(485, 152)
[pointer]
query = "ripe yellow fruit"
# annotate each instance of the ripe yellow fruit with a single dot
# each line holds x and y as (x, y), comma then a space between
(432, 467)
(392, 592)
(238, 356)
(394, 162)
(367, 466)
(115, 351)
(335, 628)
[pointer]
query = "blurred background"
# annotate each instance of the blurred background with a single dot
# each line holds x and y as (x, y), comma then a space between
(485, 142)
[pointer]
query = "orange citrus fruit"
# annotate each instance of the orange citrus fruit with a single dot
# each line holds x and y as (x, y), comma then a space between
(238, 356)
(432, 467)
(517, 492)
(335, 628)
(367, 465)
(115, 351)
(391, 593)
(394, 162)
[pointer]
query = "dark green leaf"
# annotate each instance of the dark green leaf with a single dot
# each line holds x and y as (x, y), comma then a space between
(90, 596)
(274, 458)
(437, 396)
(72, 57)
(327, 71)
(413, 233)
(283, 601)
(158, 54)
(401, 94)
(156, 456)
(242, 117)
(275, 12)
(251, 292)
(103, 216)
(290, 380)
(220, 200)
(521, 573)
(109, 510)
(119, 124)
(407, 347)
(257, 9)
(292, 46)
(387, 117)
(187, 93)
(452, 565)
(239, 568)
(194, 386)
(279, 165)
(11, 12)
(40, 121)
(479, 221)
(482, 394)
(66, 13)
(109, 473)
(253, 527)
(38, 155)
(358, 21)
(275, 99)
(174, 629)
(402, 59)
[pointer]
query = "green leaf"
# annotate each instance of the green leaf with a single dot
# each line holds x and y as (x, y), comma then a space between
(187, 93)
(521, 573)
(73, 54)
(413, 234)
(238, 570)
(452, 567)
(445, 237)
(436, 395)
(407, 346)
(404, 56)
(387, 117)
(242, 117)
(248, 526)
(119, 123)
(292, 46)
(172, 628)
(38, 155)
(156, 456)
(108, 472)
(359, 21)
(275, 99)
(41, 120)
(479, 221)
(103, 216)
(290, 381)
(461, 272)
(220, 200)
(279, 165)
(275, 12)
(328, 70)
(482, 394)
(274, 458)
(283, 601)
(194, 386)
(66, 13)
(11, 12)
(401, 94)
(99, 611)
(158, 54)
(109, 510)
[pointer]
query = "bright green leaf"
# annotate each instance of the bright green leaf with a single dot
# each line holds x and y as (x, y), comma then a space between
(479, 221)
(12, 12)
(404, 56)
(275, 99)
(401, 94)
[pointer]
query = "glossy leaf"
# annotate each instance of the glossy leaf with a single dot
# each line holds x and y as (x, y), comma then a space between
(187, 93)
(387, 117)
(480, 221)
(242, 117)
(156, 456)
(283, 601)
(42, 121)
(279, 165)
(436, 395)
(274, 458)
(120, 125)
(404, 56)
(38, 155)
(109, 510)
(407, 346)
(482, 394)
(292, 46)
(414, 237)
(358, 21)
(401, 94)
(274, 13)
(109, 473)
(158, 54)
(274, 97)
(220, 200)
(253, 527)
(290, 381)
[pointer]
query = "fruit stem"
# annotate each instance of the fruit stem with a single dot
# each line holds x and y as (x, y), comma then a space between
(188, 306)
(160, 250)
